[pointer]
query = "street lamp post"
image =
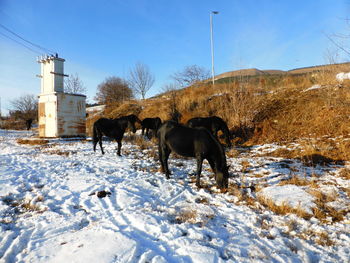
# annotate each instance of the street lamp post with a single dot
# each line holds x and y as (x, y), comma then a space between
(212, 44)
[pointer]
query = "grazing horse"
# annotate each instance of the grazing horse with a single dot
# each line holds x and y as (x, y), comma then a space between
(212, 124)
(113, 128)
(192, 142)
(151, 123)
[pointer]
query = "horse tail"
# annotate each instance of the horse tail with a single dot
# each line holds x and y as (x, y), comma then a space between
(95, 133)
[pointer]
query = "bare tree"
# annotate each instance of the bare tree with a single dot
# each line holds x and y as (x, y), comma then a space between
(73, 84)
(25, 107)
(141, 79)
(190, 75)
(331, 56)
(113, 89)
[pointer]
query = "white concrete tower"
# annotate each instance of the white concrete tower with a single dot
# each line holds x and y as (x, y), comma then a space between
(60, 114)
(52, 76)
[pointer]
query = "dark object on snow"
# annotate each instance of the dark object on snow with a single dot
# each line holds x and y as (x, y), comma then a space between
(212, 124)
(113, 128)
(151, 123)
(29, 123)
(103, 193)
(192, 142)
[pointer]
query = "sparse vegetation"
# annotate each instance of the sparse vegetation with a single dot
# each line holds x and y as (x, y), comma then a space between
(33, 141)
(267, 108)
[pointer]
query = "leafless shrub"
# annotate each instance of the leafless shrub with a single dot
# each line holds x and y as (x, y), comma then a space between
(113, 90)
(141, 79)
(190, 75)
(74, 85)
(24, 107)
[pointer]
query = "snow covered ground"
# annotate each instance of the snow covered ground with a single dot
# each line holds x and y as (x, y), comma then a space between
(50, 211)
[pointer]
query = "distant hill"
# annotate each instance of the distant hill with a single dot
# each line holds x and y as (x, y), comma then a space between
(304, 70)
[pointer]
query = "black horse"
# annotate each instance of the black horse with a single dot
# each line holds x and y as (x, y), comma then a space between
(113, 128)
(192, 142)
(151, 123)
(212, 124)
(29, 123)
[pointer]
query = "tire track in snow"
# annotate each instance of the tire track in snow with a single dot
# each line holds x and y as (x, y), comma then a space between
(17, 245)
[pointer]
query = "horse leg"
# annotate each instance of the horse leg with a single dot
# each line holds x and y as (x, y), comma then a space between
(165, 160)
(100, 142)
(160, 156)
(119, 146)
(97, 137)
(94, 137)
(95, 140)
(199, 170)
(143, 130)
(212, 165)
(164, 153)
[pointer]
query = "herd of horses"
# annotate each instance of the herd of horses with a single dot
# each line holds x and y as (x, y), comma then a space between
(197, 138)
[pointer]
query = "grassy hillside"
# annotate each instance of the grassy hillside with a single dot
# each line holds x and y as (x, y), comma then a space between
(265, 108)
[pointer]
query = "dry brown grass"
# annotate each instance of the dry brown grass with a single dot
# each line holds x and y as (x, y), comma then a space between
(186, 215)
(33, 141)
(323, 239)
(345, 173)
(139, 141)
(323, 210)
(126, 108)
(312, 152)
(296, 180)
(24, 205)
(282, 209)
(320, 237)
(245, 166)
(59, 152)
(29, 207)
(10, 124)
(266, 109)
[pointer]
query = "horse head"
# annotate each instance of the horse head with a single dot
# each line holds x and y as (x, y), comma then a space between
(131, 122)
(131, 126)
(222, 177)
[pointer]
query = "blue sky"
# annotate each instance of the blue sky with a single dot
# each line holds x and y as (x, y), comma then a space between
(102, 38)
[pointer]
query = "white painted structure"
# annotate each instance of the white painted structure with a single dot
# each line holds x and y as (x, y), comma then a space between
(60, 114)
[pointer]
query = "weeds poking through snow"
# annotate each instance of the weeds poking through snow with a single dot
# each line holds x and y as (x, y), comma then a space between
(32, 141)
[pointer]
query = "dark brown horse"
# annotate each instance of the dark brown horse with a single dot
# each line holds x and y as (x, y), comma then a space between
(113, 128)
(212, 124)
(151, 124)
(192, 142)
(29, 123)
